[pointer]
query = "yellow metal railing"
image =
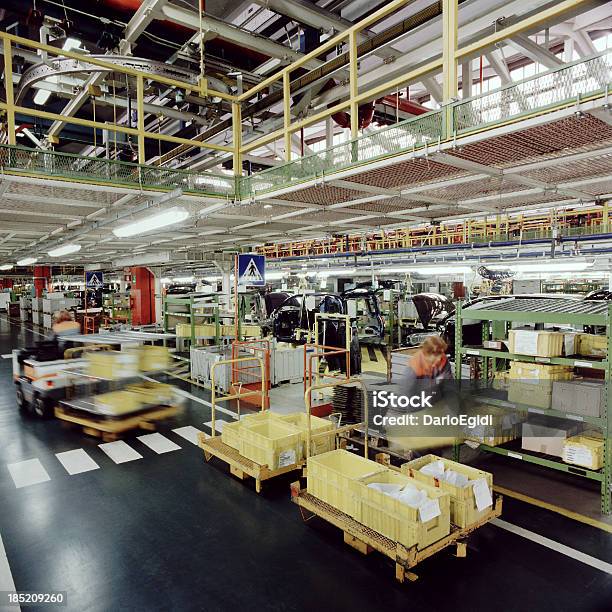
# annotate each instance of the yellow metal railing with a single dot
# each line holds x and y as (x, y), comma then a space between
(446, 64)
(11, 43)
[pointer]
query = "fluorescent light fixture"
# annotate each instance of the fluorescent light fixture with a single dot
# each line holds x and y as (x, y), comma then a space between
(276, 275)
(6, 267)
(428, 270)
(71, 43)
(568, 266)
(168, 217)
(27, 261)
(336, 272)
(66, 249)
(41, 96)
(184, 279)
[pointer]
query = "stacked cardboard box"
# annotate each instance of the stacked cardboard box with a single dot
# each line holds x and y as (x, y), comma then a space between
(538, 343)
(585, 450)
(579, 397)
(532, 383)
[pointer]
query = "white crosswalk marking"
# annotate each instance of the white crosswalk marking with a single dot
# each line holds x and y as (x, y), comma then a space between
(77, 461)
(189, 433)
(159, 443)
(218, 425)
(119, 451)
(6, 577)
(26, 473)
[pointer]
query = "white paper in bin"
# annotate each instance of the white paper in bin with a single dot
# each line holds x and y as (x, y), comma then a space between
(482, 494)
(429, 510)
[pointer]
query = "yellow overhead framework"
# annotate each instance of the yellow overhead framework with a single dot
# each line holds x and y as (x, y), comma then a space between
(446, 65)
(9, 41)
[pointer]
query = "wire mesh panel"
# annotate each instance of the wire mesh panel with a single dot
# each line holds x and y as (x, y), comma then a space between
(411, 134)
(66, 165)
(566, 84)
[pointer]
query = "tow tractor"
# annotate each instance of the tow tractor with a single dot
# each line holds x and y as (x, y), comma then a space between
(42, 378)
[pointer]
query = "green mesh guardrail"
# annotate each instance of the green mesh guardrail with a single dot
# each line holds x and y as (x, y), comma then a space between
(414, 133)
(539, 93)
(543, 91)
(67, 165)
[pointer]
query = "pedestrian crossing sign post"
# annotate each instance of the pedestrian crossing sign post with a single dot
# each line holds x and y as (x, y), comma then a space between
(251, 270)
(94, 280)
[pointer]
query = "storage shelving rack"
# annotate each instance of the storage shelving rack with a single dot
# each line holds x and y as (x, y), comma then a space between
(192, 312)
(554, 311)
(119, 306)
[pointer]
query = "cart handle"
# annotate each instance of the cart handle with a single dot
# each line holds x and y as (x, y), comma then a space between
(338, 383)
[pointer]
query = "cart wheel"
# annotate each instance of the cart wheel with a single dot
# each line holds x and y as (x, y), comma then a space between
(21, 400)
(42, 408)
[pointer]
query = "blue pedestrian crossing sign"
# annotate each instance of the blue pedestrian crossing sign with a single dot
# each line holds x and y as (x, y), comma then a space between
(251, 270)
(94, 280)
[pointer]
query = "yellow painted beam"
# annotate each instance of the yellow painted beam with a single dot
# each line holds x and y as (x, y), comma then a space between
(353, 84)
(115, 128)
(330, 44)
(140, 120)
(237, 138)
(10, 98)
(449, 50)
(558, 10)
(553, 508)
(287, 114)
(54, 51)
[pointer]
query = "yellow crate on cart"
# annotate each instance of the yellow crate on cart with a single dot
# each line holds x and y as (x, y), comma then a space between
(272, 443)
(463, 509)
(112, 364)
(263, 416)
(232, 430)
(231, 434)
(116, 403)
(153, 393)
(329, 478)
(398, 521)
(318, 425)
(154, 358)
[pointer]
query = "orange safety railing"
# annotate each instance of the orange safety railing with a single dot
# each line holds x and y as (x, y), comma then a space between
(89, 324)
(248, 375)
(313, 354)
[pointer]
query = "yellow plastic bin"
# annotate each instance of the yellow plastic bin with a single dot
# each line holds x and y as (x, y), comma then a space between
(112, 364)
(329, 476)
(318, 425)
(153, 358)
(397, 520)
(272, 443)
(463, 510)
(231, 434)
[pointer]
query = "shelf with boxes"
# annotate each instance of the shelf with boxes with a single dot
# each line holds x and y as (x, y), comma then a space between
(118, 306)
(559, 379)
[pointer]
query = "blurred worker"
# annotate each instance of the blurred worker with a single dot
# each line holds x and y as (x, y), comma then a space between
(429, 376)
(427, 368)
(64, 325)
